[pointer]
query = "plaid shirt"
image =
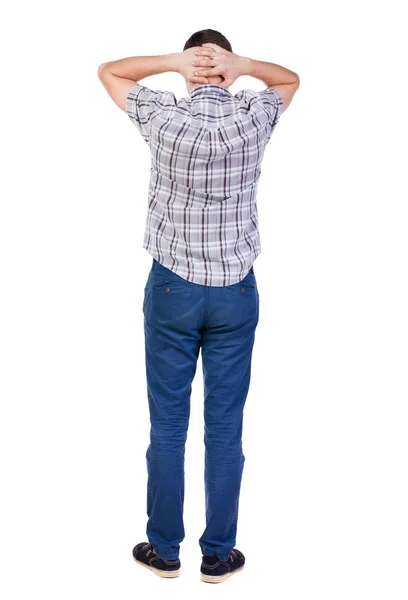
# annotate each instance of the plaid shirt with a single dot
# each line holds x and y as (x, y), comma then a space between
(206, 153)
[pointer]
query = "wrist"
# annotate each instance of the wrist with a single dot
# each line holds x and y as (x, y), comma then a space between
(172, 62)
(245, 65)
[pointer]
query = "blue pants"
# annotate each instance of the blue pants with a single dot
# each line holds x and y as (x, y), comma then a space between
(180, 317)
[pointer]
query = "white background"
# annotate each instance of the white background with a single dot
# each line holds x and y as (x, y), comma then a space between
(324, 500)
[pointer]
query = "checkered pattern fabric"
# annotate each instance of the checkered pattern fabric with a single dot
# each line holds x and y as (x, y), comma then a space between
(206, 152)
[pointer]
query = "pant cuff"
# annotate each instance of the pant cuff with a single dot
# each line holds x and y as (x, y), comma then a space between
(222, 557)
(165, 553)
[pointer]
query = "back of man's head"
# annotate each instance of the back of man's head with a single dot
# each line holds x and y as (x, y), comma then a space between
(207, 36)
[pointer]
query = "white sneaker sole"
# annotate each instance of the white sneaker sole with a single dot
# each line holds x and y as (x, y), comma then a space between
(159, 572)
(219, 578)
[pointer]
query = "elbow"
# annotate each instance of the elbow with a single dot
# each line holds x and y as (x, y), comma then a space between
(102, 69)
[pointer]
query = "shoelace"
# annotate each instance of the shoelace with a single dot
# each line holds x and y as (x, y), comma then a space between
(149, 547)
(232, 555)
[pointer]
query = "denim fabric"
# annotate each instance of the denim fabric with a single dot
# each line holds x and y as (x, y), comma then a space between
(180, 318)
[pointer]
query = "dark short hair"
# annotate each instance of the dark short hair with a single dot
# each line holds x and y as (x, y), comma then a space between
(207, 36)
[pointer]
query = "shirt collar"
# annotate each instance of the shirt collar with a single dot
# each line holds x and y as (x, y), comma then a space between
(209, 88)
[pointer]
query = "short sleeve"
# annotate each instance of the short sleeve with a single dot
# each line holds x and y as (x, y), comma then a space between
(267, 104)
(273, 103)
(141, 103)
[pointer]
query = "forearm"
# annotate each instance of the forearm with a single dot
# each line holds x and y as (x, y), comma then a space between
(270, 73)
(139, 67)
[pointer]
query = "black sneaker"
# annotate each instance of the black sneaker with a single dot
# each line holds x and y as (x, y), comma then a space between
(145, 555)
(214, 571)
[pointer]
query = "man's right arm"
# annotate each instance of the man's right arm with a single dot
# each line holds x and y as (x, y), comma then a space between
(213, 59)
(274, 76)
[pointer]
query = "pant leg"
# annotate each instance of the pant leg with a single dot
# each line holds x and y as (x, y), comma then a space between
(227, 345)
(172, 342)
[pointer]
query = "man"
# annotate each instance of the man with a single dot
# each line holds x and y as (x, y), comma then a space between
(201, 292)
